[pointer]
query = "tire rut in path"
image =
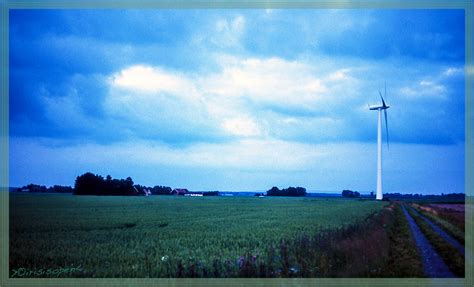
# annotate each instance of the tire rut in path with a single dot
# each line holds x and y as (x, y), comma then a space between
(433, 264)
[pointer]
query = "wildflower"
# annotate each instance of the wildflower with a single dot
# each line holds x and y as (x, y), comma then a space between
(293, 270)
(240, 261)
(165, 258)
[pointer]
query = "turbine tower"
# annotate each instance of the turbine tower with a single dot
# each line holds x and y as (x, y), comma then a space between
(379, 108)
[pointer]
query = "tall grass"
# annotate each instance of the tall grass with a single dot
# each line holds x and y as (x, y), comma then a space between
(440, 217)
(378, 246)
(404, 257)
(453, 216)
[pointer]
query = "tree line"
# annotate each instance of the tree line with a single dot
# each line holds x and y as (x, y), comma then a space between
(94, 184)
(156, 190)
(449, 196)
(290, 191)
(350, 193)
(42, 188)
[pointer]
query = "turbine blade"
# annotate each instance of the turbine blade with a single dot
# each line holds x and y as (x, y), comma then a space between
(383, 102)
(386, 125)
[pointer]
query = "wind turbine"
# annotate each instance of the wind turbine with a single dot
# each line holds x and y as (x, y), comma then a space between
(379, 108)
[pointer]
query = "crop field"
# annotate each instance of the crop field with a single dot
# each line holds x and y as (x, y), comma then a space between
(171, 236)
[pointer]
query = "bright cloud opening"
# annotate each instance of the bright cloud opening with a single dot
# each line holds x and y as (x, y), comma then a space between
(150, 79)
(242, 126)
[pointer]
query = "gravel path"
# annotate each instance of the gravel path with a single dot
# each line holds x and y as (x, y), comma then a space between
(443, 234)
(433, 264)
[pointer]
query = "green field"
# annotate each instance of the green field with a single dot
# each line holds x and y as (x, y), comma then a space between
(157, 236)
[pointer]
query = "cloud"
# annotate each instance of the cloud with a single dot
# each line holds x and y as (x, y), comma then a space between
(234, 88)
(235, 26)
(222, 33)
(228, 33)
(241, 126)
(434, 86)
(452, 71)
(65, 111)
(339, 75)
(425, 89)
(256, 97)
(159, 104)
(155, 94)
(274, 81)
(151, 79)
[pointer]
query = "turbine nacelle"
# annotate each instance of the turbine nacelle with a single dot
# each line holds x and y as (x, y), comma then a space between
(376, 107)
(381, 107)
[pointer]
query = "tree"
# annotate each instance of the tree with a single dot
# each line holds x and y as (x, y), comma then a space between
(60, 189)
(350, 193)
(274, 191)
(290, 191)
(161, 190)
(90, 184)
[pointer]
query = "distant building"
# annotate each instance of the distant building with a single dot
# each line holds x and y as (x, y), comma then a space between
(190, 193)
(180, 191)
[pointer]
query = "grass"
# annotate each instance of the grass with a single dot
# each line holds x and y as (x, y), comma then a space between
(451, 256)
(404, 256)
(167, 236)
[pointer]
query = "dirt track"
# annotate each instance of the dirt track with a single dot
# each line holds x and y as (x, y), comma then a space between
(443, 234)
(433, 264)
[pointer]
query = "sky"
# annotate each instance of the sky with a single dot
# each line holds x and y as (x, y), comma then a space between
(238, 100)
